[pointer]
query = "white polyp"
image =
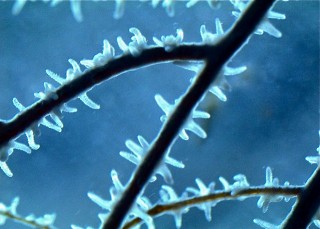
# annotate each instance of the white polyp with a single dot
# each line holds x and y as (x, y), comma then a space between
(66, 108)
(210, 38)
(50, 125)
(103, 218)
(88, 63)
(87, 101)
(99, 201)
(31, 142)
(155, 3)
(189, 124)
(191, 3)
(136, 149)
(75, 71)
(203, 190)
(275, 15)
(265, 200)
(13, 206)
(138, 42)
(228, 71)
(163, 104)
(195, 128)
(207, 37)
(157, 42)
(122, 45)
(55, 77)
(194, 66)
(265, 224)
(267, 27)
(170, 42)
(46, 220)
(138, 37)
(217, 92)
(56, 119)
(100, 59)
(138, 153)
(18, 105)
(20, 146)
(48, 93)
(168, 5)
(143, 142)
(313, 159)
(108, 49)
(119, 11)
(219, 29)
(240, 182)
(226, 186)
(6, 169)
(116, 182)
(49, 90)
(18, 6)
(174, 162)
(6, 151)
(168, 195)
(134, 159)
(200, 114)
(269, 177)
(76, 10)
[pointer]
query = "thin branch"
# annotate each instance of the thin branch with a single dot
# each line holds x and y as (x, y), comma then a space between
(31, 222)
(217, 197)
(152, 55)
(228, 46)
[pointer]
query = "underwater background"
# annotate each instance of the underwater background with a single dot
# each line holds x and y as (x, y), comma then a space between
(271, 117)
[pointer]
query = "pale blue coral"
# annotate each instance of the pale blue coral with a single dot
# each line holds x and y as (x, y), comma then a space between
(189, 124)
(170, 42)
(203, 190)
(265, 25)
(136, 46)
(168, 195)
(139, 152)
(139, 208)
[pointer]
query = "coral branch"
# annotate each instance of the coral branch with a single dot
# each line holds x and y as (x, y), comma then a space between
(152, 55)
(216, 197)
(10, 212)
(307, 204)
(218, 55)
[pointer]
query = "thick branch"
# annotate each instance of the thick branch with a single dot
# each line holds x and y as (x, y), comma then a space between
(307, 205)
(223, 51)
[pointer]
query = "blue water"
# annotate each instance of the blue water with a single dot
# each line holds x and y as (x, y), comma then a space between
(271, 117)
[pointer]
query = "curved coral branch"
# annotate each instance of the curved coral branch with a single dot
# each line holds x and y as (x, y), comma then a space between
(218, 196)
(82, 83)
(218, 55)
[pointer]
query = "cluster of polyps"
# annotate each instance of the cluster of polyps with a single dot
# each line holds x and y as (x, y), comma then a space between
(10, 211)
(137, 45)
(190, 198)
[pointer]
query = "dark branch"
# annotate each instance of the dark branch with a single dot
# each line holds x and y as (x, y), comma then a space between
(217, 197)
(219, 55)
(21, 122)
(307, 205)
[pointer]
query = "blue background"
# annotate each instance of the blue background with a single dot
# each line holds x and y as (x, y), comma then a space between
(271, 117)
